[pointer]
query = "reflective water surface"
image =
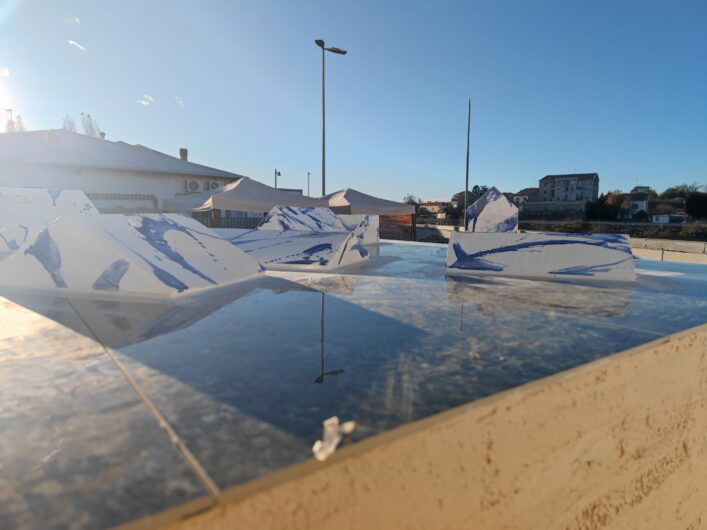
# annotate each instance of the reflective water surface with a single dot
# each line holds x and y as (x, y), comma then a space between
(246, 376)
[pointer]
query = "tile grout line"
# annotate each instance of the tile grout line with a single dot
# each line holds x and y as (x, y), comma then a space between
(174, 438)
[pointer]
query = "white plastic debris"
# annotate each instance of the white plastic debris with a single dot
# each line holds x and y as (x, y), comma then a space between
(333, 432)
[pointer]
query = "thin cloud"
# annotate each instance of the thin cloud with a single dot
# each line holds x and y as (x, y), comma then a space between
(179, 102)
(4, 71)
(145, 100)
(76, 45)
(74, 20)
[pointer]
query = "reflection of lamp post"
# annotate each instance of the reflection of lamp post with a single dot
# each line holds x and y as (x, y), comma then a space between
(320, 377)
(320, 43)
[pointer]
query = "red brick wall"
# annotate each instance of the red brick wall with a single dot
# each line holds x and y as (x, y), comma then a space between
(396, 227)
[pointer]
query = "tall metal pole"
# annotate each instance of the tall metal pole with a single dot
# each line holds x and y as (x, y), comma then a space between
(466, 188)
(308, 174)
(323, 130)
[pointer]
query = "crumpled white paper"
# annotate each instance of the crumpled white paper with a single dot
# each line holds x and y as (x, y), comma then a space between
(333, 432)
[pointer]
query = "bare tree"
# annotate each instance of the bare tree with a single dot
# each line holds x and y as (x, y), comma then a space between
(68, 124)
(409, 198)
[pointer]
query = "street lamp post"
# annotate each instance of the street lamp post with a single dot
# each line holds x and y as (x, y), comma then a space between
(308, 174)
(277, 174)
(320, 43)
(466, 188)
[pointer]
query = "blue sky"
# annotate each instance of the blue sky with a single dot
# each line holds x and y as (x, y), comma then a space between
(619, 88)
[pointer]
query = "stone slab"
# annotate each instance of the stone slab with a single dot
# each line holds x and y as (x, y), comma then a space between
(137, 255)
(556, 256)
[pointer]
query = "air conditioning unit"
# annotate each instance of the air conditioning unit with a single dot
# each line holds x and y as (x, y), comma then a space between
(192, 186)
(213, 185)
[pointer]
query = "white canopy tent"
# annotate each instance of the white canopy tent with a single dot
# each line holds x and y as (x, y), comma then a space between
(349, 201)
(246, 195)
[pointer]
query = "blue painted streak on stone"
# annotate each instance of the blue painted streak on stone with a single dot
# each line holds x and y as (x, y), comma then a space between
(162, 275)
(153, 231)
(307, 254)
(47, 253)
(290, 218)
(109, 280)
(54, 194)
(547, 243)
(508, 225)
(472, 261)
(588, 270)
(12, 244)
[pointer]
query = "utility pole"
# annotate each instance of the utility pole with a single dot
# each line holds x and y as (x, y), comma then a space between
(466, 188)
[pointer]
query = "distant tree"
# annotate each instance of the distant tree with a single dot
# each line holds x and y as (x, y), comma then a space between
(475, 193)
(641, 216)
(614, 197)
(680, 191)
(451, 211)
(696, 205)
(456, 212)
(411, 199)
(606, 207)
(68, 124)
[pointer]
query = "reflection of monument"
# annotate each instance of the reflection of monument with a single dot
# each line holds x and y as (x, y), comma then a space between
(501, 294)
(328, 283)
(121, 322)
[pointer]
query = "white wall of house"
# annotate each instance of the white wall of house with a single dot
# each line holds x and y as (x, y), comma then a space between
(110, 183)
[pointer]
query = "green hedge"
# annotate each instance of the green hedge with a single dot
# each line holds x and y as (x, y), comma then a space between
(696, 231)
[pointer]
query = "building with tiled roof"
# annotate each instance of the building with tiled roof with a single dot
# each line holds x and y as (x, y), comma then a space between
(117, 176)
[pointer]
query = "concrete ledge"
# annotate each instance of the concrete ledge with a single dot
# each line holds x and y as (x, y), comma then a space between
(693, 247)
(617, 443)
(669, 255)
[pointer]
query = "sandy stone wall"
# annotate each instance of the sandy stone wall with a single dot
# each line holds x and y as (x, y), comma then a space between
(618, 443)
(670, 255)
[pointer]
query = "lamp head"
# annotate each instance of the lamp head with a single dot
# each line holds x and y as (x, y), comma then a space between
(337, 50)
(319, 42)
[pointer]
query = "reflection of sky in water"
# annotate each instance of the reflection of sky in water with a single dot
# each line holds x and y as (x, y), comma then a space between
(236, 375)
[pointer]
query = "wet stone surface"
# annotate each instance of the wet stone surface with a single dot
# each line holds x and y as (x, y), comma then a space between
(246, 376)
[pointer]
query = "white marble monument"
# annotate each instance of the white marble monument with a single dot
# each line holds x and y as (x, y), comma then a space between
(492, 212)
(153, 255)
(366, 224)
(541, 255)
(301, 219)
(25, 211)
(304, 239)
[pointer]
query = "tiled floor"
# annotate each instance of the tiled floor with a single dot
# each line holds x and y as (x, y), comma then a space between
(245, 377)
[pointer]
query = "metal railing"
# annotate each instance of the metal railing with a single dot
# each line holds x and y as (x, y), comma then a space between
(206, 219)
